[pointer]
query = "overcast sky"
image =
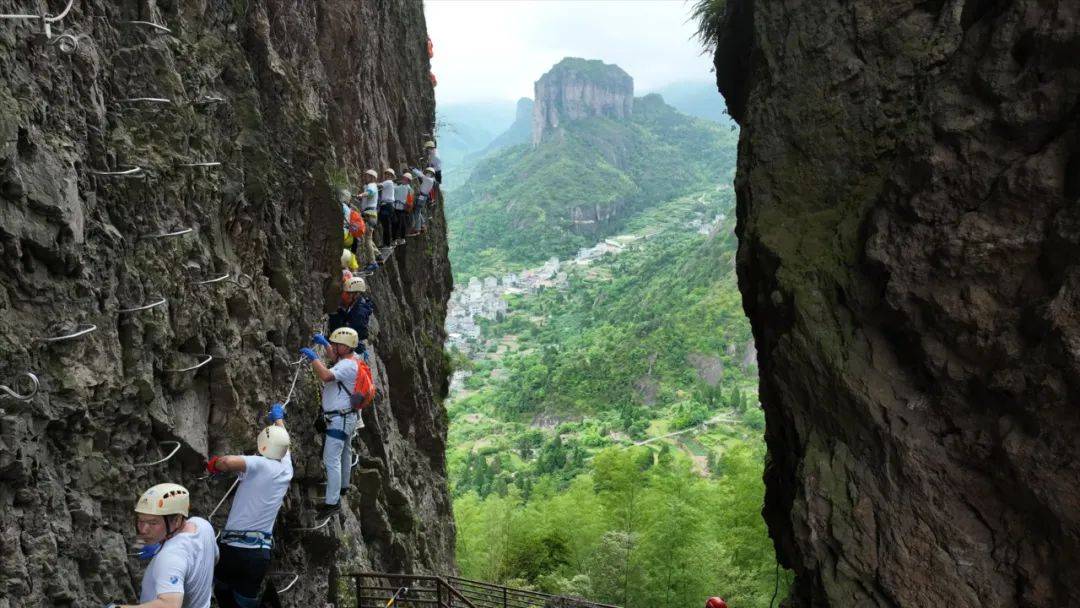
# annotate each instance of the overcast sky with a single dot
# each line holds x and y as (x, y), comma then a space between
(496, 49)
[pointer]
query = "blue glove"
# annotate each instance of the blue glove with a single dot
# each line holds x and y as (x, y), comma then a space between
(277, 412)
(149, 551)
(310, 354)
(320, 339)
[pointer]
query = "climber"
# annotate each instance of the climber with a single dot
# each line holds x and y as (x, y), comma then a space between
(247, 539)
(354, 226)
(387, 190)
(342, 418)
(403, 200)
(433, 159)
(369, 209)
(349, 265)
(423, 197)
(182, 551)
(355, 310)
(716, 602)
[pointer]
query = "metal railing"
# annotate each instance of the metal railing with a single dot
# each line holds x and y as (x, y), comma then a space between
(375, 589)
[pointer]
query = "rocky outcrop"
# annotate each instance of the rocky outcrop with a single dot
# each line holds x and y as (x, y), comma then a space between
(909, 225)
(292, 99)
(579, 88)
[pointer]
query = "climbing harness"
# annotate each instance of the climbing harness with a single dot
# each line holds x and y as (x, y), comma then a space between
(144, 307)
(46, 19)
(255, 538)
(208, 359)
(171, 454)
(82, 330)
(150, 24)
(133, 172)
(165, 235)
(34, 385)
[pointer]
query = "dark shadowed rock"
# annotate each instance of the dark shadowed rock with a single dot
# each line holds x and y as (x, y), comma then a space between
(909, 225)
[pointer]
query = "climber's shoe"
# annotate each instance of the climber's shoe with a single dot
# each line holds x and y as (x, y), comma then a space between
(372, 267)
(327, 511)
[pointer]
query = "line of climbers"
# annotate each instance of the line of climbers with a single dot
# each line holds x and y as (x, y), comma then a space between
(389, 212)
(188, 563)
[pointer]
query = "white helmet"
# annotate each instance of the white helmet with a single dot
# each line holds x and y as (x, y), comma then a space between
(390, 171)
(429, 144)
(407, 176)
(430, 170)
(355, 285)
(164, 499)
(346, 258)
(273, 442)
(346, 336)
(372, 173)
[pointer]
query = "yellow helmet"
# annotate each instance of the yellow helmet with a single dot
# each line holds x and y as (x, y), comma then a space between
(164, 499)
(429, 144)
(348, 260)
(273, 442)
(348, 239)
(346, 336)
(355, 285)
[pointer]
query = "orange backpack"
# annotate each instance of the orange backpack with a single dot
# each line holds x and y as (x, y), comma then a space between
(356, 225)
(363, 392)
(409, 203)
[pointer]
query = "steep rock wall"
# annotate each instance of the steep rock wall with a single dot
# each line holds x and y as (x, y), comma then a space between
(578, 88)
(909, 225)
(312, 92)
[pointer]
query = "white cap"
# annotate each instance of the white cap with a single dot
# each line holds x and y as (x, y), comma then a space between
(372, 173)
(390, 171)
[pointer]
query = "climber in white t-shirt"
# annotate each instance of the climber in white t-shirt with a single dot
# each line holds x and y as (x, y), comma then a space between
(247, 539)
(182, 551)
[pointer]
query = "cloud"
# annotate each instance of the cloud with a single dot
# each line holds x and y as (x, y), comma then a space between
(496, 49)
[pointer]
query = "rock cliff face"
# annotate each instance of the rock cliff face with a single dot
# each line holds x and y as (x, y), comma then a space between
(909, 224)
(579, 88)
(290, 98)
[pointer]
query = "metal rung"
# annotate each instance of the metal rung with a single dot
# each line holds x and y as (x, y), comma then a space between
(163, 235)
(144, 100)
(47, 18)
(206, 100)
(156, 26)
(213, 280)
(84, 329)
(34, 386)
(208, 359)
(295, 578)
(133, 172)
(202, 164)
(145, 307)
(171, 454)
(318, 527)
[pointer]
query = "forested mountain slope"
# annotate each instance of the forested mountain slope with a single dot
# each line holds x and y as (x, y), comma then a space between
(528, 203)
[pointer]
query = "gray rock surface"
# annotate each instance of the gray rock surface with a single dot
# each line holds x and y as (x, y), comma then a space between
(909, 225)
(313, 92)
(578, 88)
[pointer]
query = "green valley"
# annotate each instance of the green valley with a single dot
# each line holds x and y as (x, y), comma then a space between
(605, 437)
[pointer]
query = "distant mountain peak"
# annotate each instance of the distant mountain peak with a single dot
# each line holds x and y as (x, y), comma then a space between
(578, 88)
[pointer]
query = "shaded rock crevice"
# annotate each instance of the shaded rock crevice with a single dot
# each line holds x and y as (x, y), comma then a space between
(909, 232)
(289, 98)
